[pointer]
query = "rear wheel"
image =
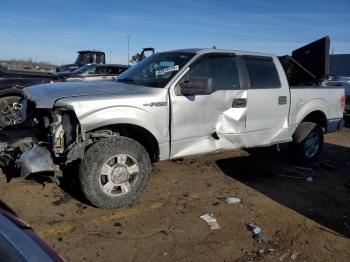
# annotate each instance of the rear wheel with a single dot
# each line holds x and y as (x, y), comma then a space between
(114, 172)
(10, 110)
(309, 149)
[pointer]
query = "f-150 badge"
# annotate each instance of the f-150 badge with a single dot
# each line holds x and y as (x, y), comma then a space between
(156, 104)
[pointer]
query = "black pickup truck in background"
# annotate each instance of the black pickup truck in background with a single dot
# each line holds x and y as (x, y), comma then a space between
(85, 57)
(11, 84)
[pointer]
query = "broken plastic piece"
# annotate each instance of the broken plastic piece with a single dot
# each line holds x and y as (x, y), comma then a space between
(233, 200)
(210, 219)
(254, 229)
(38, 159)
(257, 233)
(327, 165)
(294, 255)
(310, 179)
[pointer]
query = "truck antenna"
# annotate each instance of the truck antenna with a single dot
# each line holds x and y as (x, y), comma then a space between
(128, 37)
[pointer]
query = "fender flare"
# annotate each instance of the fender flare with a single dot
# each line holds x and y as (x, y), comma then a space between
(302, 131)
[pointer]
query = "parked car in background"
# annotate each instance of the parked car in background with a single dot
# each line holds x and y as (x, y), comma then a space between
(93, 72)
(11, 83)
(18, 242)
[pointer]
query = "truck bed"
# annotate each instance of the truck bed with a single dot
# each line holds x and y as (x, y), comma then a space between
(327, 98)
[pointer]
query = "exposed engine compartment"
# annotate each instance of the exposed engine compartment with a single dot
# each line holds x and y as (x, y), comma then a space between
(45, 139)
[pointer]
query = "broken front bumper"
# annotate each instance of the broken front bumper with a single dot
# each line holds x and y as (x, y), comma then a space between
(19, 148)
(36, 160)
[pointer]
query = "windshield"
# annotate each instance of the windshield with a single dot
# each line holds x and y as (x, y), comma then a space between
(156, 70)
(81, 59)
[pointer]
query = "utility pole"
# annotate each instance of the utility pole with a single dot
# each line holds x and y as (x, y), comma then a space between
(110, 57)
(128, 37)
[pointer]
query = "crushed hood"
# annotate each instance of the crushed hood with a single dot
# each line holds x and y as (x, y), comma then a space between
(46, 95)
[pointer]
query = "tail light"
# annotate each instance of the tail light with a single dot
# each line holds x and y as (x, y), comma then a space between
(342, 102)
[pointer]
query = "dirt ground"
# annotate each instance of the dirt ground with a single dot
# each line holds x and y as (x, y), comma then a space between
(300, 220)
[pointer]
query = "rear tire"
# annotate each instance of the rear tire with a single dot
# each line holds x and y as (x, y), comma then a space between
(114, 172)
(309, 149)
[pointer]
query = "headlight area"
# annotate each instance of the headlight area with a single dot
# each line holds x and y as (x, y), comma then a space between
(63, 133)
(48, 139)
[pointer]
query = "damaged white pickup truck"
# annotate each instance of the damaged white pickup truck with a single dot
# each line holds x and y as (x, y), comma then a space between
(170, 105)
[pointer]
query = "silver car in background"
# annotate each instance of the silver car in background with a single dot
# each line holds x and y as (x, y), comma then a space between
(94, 72)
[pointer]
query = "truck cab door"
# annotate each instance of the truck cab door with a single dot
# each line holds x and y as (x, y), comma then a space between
(199, 122)
(268, 101)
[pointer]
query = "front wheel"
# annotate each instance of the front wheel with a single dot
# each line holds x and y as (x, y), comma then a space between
(114, 172)
(309, 149)
(10, 110)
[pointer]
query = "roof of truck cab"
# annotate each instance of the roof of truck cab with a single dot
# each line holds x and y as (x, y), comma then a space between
(212, 50)
(90, 51)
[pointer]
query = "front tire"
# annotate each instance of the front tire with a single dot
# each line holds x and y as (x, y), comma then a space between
(9, 115)
(114, 172)
(309, 149)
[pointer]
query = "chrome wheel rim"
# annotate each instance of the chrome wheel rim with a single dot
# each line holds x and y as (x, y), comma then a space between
(312, 144)
(118, 175)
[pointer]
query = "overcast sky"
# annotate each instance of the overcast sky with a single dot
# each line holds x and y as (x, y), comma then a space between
(54, 31)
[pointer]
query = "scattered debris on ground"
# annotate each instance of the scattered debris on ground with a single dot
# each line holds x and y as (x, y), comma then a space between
(294, 255)
(297, 172)
(327, 165)
(233, 200)
(257, 233)
(62, 199)
(310, 179)
(211, 221)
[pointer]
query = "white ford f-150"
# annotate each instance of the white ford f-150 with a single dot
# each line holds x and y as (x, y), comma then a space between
(170, 105)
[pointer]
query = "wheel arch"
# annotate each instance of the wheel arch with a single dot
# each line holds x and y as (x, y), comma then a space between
(11, 91)
(318, 117)
(309, 122)
(139, 134)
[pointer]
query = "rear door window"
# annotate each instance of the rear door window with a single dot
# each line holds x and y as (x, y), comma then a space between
(262, 73)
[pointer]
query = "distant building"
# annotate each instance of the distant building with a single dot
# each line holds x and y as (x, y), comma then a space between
(339, 65)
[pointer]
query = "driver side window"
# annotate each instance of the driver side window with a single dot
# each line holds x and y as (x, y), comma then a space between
(221, 69)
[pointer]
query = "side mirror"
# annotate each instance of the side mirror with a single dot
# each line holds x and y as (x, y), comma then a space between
(196, 86)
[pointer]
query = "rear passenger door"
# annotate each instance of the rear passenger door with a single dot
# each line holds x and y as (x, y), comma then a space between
(267, 101)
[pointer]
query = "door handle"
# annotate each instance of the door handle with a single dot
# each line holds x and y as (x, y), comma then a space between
(239, 103)
(282, 100)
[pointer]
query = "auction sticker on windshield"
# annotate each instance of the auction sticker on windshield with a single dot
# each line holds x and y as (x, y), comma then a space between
(167, 70)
